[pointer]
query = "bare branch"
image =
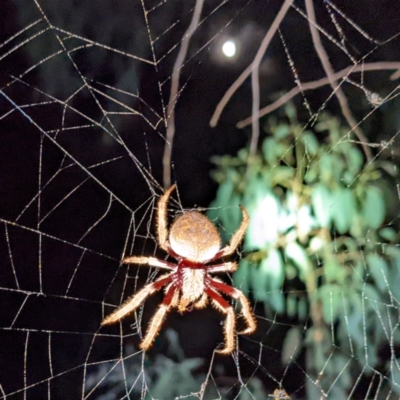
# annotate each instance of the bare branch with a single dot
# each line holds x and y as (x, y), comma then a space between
(323, 56)
(376, 66)
(174, 92)
(253, 66)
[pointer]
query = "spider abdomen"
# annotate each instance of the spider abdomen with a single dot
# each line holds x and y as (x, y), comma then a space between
(194, 237)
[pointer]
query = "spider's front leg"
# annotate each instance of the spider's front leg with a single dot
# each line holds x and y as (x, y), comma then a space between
(158, 318)
(136, 300)
(152, 261)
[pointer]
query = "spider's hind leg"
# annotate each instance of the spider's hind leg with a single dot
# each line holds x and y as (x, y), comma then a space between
(229, 328)
(238, 295)
(202, 302)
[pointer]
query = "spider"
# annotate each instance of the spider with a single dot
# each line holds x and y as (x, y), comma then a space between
(194, 242)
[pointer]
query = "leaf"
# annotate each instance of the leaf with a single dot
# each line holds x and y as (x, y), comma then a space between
(326, 168)
(310, 143)
(379, 271)
(298, 255)
(291, 345)
(224, 193)
(374, 207)
(267, 280)
(321, 199)
(276, 301)
(241, 277)
(264, 223)
(281, 131)
(311, 174)
(338, 167)
(282, 174)
(343, 209)
(330, 296)
(258, 283)
(388, 233)
(291, 306)
(393, 254)
(272, 266)
(355, 160)
(357, 228)
(303, 310)
(269, 150)
(334, 271)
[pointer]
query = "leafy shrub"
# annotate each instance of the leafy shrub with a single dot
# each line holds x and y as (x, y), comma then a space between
(317, 212)
(164, 377)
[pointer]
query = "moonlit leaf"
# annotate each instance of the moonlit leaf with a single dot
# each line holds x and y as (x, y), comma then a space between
(334, 271)
(379, 271)
(374, 207)
(343, 209)
(291, 345)
(388, 233)
(269, 150)
(282, 174)
(326, 166)
(355, 160)
(321, 199)
(263, 228)
(299, 257)
(291, 306)
(330, 296)
(281, 131)
(310, 143)
(272, 266)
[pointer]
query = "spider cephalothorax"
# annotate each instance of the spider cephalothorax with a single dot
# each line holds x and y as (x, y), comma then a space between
(194, 242)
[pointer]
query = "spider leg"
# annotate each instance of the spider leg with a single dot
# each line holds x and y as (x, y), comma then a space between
(224, 267)
(162, 230)
(229, 327)
(152, 261)
(136, 300)
(237, 236)
(238, 295)
(158, 318)
(202, 302)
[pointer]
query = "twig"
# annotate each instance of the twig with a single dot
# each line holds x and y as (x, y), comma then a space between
(330, 73)
(174, 93)
(253, 66)
(376, 66)
(255, 84)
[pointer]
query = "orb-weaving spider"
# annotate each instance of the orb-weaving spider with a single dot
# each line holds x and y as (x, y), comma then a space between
(194, 242)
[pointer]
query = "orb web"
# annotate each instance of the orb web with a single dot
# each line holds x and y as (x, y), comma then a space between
(102, 105)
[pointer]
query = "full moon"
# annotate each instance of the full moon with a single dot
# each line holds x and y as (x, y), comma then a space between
(229, 48)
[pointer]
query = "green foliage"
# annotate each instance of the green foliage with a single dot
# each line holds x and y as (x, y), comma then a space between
(164, 377)
(317, 211)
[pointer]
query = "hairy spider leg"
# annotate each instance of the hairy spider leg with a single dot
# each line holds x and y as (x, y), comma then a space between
(158, 318)
(237, 236)
(152, 261)
(224, 267)
(162, 230)
(238, 295)
(136, 300)
(229, 327)
(202, 302)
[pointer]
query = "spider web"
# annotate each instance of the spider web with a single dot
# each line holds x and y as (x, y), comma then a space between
(104, 102)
